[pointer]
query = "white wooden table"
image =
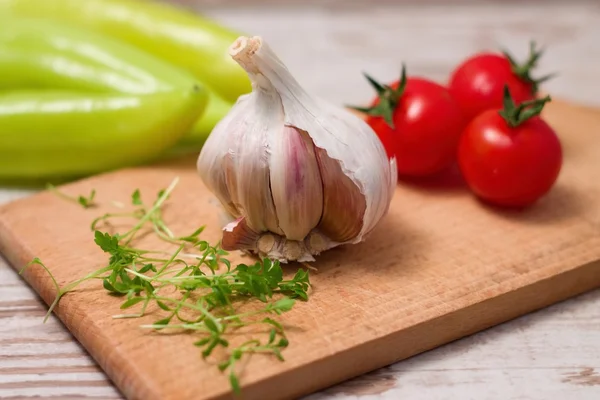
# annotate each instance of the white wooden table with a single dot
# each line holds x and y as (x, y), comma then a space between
(551, 354)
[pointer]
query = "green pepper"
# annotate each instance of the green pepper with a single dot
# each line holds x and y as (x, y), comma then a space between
(74, 102)
(170, 33)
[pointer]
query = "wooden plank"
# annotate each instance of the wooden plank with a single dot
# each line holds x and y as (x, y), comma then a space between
(441, 266)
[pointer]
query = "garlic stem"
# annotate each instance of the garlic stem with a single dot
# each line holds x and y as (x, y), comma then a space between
(242, 51)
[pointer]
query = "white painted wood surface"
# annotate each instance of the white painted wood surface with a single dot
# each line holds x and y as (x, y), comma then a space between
(551, 354)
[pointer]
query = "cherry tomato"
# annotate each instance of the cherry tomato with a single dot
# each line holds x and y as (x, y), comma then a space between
(418, 122)
(477, 83)
(510, 158)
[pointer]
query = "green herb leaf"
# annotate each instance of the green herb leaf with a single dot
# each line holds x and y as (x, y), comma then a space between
(211, 325)
(209, 349)
(284, 304)
(235, 384)
(202, 342)
(136, 198)
(108, 286)
(193, 238)
(108, 243)
(87, 202)
(163, 321)
(272, 335)
(146, 268)
(131, 302)
(276, 324)
(160, 194)
(237, 354)
(278, 354)
(224, 365)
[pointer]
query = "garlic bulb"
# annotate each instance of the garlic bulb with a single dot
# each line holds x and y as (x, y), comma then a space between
(296, 174)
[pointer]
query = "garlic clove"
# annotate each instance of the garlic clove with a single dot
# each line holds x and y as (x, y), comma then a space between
(230, 177)
(296, 183)
(251, 165)
(344, 205)
(235, 165)
(215, 155)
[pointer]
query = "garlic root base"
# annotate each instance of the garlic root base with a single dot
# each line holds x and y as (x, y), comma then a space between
(238, 236)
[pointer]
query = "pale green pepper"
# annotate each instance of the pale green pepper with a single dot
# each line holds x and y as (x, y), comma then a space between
(178, 36)
(74, 102)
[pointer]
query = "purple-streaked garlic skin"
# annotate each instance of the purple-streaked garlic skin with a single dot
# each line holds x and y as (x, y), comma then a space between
(296, 184)
(297, 175)
(341, 199)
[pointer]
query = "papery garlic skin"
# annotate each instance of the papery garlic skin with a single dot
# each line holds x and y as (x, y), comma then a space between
(297, 174)
(294, 166)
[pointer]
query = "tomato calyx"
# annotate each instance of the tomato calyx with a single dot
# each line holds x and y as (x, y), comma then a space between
(523, 71)
(515, 115)
(388, 98)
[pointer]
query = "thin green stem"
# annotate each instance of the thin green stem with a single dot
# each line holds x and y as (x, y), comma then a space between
(170, 260)
(138, 315)
(200, 308)
(247, 314)
(59, 193)
(72, 285)
(162, 235)
(196, 327)
(111, 215)
(159, 202)
(162, 226)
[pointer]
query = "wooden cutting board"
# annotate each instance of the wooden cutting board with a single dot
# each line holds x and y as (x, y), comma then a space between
(439, 267)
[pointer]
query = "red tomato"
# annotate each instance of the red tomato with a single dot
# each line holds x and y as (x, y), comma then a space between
(478, 82)
(425, 127)
(510, 165)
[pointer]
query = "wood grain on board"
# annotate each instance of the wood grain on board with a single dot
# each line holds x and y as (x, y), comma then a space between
(440, 266)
